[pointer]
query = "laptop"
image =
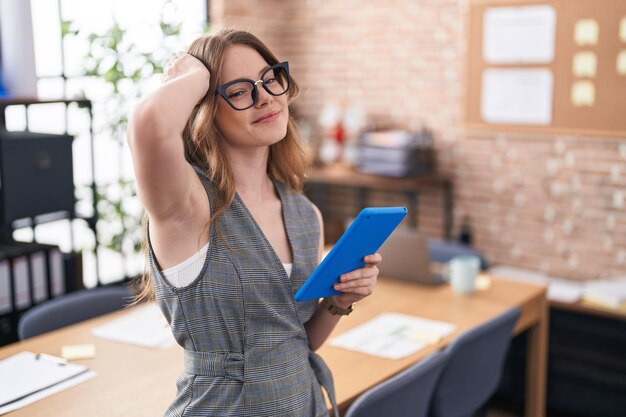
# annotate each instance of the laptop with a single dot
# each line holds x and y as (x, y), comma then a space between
(406, 257)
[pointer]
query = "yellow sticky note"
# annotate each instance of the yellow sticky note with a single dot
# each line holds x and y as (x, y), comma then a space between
(621, 63)
(74, 352)
(483, 282)
(584, 64)
(586, 32)
(583, 93)
(622, 29)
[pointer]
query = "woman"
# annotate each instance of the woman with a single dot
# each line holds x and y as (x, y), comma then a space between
(230, 236)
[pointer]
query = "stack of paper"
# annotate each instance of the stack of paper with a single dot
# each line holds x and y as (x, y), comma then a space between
(607, 293)
(562, 290)
(393, 335)
(519, 274)
(565, 291)
(26, 377)
(145, 326)
(396, 153)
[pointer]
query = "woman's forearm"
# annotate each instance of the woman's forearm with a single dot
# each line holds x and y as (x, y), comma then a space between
(320, 326)
(168, 108)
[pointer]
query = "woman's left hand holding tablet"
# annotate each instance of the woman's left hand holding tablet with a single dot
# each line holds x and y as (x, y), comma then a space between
(358, 284)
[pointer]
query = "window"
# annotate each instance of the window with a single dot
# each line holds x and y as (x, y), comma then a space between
(61, 32)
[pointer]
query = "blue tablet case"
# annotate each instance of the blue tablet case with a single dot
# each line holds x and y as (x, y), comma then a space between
(365, 235)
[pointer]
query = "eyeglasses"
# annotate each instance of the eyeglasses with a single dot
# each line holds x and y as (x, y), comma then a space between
(241, 94)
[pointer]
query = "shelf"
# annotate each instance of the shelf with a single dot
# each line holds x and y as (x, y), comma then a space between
(24, 101)
(92, 220)
(338, 175)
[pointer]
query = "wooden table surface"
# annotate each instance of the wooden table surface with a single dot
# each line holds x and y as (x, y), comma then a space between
(136, 381)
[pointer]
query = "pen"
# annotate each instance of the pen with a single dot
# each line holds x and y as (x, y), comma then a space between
(57, 360)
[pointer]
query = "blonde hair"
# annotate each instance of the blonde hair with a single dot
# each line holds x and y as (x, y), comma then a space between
(287, 161)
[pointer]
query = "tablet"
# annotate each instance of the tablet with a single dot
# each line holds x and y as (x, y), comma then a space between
(364, 236)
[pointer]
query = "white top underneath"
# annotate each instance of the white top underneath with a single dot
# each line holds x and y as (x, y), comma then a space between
(188, 270)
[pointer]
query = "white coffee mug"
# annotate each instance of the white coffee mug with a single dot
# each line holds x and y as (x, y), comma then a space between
(463, 271)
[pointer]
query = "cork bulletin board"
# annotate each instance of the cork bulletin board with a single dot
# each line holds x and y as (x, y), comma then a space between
(547, 66)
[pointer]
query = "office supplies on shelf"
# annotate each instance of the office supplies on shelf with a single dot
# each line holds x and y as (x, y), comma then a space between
(393, 335)
(396, 153)
(145, 327)
(26, 377)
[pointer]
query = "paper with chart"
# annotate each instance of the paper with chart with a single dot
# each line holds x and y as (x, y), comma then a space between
(393, 335)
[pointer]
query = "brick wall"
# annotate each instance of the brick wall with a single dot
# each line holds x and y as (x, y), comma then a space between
(551, 203)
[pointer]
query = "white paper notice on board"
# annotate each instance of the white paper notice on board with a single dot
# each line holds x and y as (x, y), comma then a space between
(517, 96)
(519, 34)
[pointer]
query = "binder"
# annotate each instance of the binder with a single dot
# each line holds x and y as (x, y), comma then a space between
(30, 273)
(57, 272)
(40, 276)
(19, 274)
(6, 301)
(37, 272)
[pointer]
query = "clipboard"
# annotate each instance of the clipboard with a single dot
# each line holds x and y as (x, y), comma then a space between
(365, 235)
(26, 377)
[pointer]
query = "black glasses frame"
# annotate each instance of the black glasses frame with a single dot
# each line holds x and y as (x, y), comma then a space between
(255, 95)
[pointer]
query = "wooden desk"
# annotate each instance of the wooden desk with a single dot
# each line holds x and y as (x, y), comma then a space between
(340, 175)
(134, 381)
(440, 303)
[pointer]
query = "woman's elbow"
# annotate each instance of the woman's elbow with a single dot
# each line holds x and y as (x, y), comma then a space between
(143, 124)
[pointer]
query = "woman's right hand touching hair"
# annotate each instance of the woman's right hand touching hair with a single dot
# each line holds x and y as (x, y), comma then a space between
(182, 64)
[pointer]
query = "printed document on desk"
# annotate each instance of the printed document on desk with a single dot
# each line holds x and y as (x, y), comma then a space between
(26, 377)
(393, 335)
(143, 326)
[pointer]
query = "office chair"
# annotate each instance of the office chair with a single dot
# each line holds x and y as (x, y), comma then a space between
(405, 394)
(474, 367)
(442, 251)
(72, 308)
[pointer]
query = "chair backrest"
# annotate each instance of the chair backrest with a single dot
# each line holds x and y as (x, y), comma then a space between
(474, 367)
(72, 308)
(405, 394)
